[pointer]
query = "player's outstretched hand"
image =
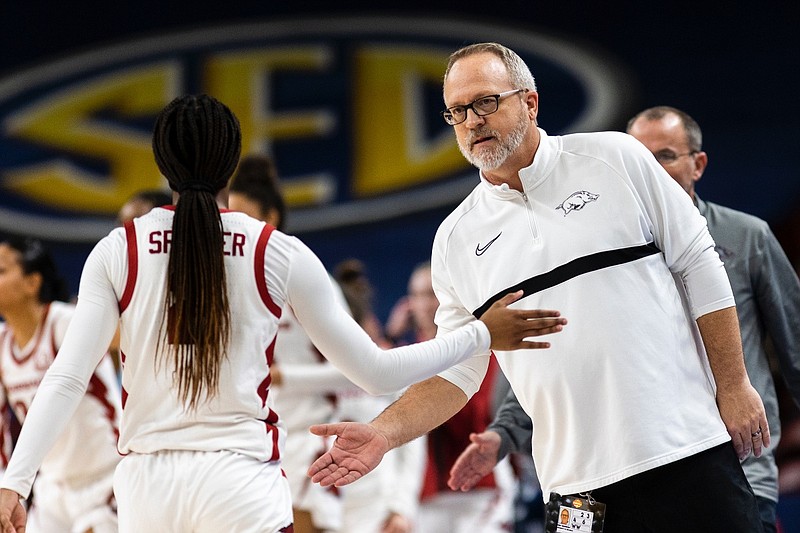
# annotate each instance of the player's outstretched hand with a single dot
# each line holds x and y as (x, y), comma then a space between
(12, 514)
(476, 461)
(357, 450)
(509, 327)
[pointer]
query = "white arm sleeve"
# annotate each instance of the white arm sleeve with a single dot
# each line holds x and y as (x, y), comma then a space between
(342, 341)
(314, 379)
(86, 341)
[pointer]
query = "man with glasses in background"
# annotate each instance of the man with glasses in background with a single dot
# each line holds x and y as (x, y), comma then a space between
(767, 293)
(629, 409)
(765, 285)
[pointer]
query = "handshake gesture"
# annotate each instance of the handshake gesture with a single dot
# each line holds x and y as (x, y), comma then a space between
(359, 448)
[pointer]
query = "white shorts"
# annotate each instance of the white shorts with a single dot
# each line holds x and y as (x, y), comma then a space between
(201, 492)
(60, 507)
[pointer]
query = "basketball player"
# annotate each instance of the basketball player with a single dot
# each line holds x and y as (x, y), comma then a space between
(74, 484)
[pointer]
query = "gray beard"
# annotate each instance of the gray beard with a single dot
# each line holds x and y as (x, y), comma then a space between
(492, 158)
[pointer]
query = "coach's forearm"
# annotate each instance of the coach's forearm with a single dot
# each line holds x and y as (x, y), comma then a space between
(723, 343)
(423, 407)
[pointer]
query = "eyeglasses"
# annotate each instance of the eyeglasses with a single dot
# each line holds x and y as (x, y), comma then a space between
(485, 105)
(667, 157)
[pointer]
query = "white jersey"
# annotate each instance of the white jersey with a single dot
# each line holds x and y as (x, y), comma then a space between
(124, 276)
(88, 447)
(154, 416)
(597, 234)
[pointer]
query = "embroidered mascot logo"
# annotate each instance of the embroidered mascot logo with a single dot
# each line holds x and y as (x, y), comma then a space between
(576, 201)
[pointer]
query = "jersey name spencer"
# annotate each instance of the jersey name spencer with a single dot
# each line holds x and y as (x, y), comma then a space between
(242, 420)
(161, 240)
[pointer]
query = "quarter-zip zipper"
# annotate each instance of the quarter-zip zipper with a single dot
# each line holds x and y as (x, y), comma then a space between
(534, 227)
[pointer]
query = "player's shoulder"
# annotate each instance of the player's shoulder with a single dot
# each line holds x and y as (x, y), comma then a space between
(115, 244)
(238, 221)
(156, 216)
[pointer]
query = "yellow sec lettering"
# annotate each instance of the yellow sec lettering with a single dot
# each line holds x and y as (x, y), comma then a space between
(67, 122)
(241, 80)
(391, 148)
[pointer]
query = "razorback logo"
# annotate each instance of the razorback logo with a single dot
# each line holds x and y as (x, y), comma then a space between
(576, 201)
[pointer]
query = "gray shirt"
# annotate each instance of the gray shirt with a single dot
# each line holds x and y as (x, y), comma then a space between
(767, 293)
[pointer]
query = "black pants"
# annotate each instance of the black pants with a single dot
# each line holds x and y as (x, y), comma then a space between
(769, 514)
(706, 492)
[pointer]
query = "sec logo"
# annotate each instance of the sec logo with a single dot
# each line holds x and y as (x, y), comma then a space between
(347, 107)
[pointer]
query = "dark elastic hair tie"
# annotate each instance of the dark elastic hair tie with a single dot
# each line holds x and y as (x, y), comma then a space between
(196, 185)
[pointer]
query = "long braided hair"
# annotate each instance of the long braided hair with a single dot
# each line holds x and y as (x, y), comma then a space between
(196, 143)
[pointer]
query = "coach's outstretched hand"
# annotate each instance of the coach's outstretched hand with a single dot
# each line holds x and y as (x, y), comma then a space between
(357, 450)
(12, 514)
(509, 327)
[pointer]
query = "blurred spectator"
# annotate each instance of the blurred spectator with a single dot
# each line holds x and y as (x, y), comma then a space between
(141, 203)
(487, 507)
(386, 500)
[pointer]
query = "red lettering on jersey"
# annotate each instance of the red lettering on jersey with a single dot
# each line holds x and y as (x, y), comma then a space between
(155, 237)
(160, 241)
(233, 244)
(238, 244)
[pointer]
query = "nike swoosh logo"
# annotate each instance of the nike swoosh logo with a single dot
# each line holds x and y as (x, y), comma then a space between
(479, 250)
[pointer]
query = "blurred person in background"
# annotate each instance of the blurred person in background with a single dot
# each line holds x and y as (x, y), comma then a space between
(141, 203)
(255, 190)
(388, 500)
(488, 507)
(73, 488)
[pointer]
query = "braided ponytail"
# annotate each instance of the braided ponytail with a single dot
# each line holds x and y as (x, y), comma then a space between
(196, 143)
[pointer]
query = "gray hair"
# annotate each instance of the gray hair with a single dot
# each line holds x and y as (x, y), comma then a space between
(518, 72)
